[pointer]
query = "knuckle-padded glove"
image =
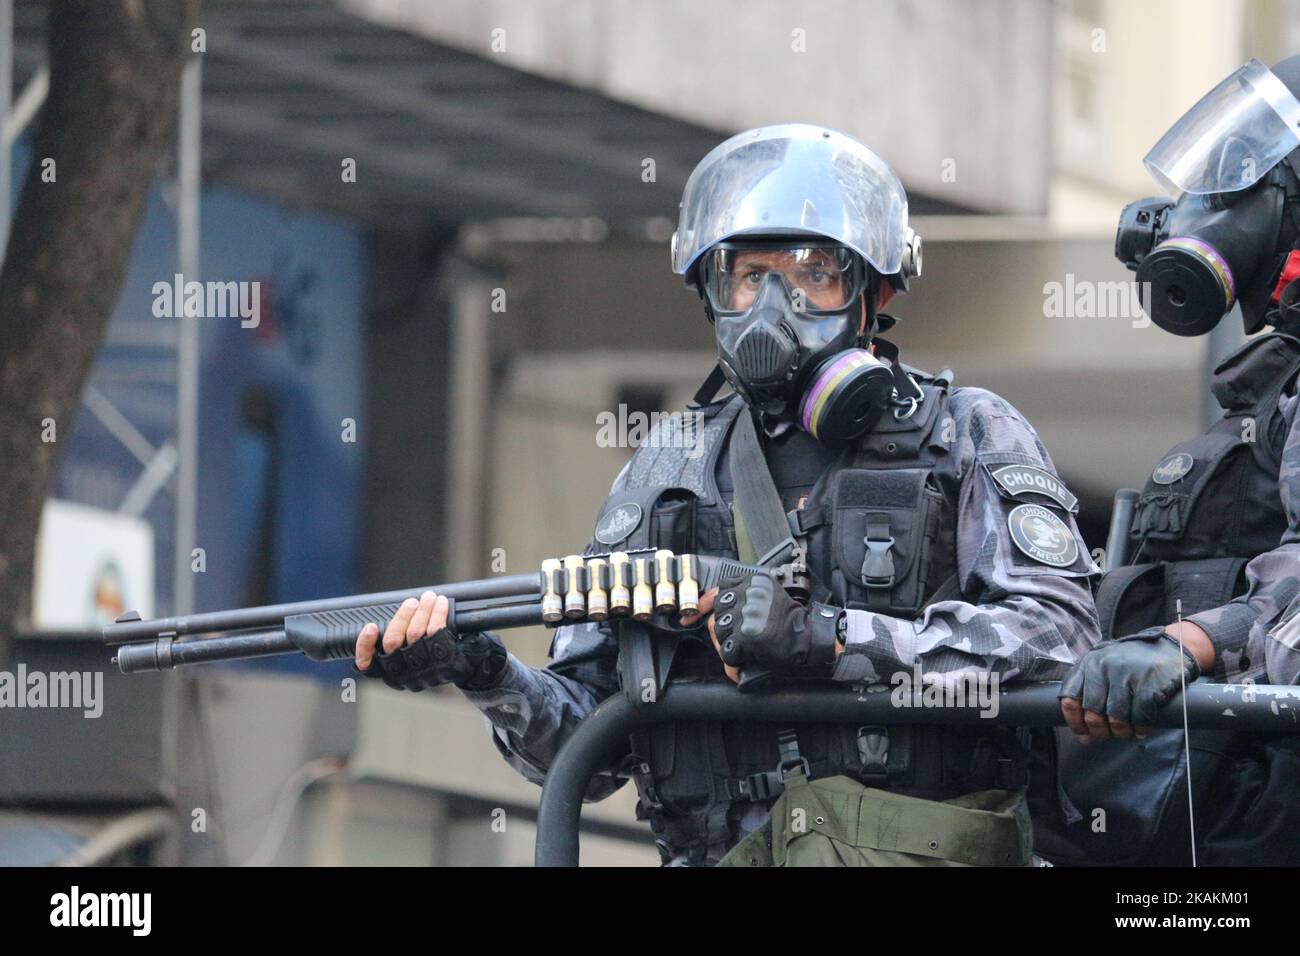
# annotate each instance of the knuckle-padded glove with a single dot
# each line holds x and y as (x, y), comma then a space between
(1132, 677)
(757, 621)
(470, 661)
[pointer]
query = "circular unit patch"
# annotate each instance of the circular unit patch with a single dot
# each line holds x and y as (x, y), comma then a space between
(1172, 468)
(1042, 535)
(619, 523)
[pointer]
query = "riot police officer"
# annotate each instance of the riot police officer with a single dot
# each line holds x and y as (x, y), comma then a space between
(936, 539)
(1216, 530)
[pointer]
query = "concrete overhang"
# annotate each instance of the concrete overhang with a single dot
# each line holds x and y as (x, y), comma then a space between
(439, 135)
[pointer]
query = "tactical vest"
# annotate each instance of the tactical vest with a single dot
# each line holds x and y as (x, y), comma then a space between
(1212, 503)
(879, 528)
(1209, 506)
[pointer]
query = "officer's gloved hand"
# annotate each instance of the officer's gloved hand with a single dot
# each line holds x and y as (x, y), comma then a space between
(1119, 687)
(756, 621)
(418, 650)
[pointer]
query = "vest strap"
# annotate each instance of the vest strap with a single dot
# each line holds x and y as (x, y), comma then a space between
(762, 530)
(704, 395)
(804, 520)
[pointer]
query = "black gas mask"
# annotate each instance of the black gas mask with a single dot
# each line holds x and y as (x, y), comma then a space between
(1196, 258)
(1232, 236)
(789, 322)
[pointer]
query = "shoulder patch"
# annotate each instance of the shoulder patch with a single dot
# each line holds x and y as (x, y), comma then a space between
(1172, 468)
(1020, 480)
(619, 523)
(1041, 534)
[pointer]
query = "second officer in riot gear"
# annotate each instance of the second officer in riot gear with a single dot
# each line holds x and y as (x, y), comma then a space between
(922, 526)
(1215, 530)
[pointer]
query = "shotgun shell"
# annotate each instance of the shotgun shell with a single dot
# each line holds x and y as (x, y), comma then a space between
(597, 596)
(620, 584)
(552, 603)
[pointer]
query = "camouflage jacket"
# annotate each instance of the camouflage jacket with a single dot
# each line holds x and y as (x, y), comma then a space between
(1019, 619)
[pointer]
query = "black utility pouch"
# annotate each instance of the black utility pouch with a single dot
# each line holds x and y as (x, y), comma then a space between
(884, 524)
(673, 521)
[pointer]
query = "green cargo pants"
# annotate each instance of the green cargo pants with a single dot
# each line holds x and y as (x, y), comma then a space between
(839, 822)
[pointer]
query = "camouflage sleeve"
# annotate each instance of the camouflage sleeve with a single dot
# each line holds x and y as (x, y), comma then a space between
(533, 711)
(1282, 647)
(1026, 611)
(1242, 631)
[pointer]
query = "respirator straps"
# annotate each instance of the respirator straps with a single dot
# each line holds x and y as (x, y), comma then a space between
(706, 392)
(904, 385)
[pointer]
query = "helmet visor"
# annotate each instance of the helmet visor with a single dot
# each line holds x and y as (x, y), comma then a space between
(820, 277)
(1231, 138)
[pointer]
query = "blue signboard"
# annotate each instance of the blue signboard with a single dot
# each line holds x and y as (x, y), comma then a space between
(281, 398)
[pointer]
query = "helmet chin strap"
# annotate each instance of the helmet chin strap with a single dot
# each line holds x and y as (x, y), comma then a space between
(875, 295)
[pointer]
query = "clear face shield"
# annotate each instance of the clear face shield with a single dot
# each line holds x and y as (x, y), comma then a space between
(1229, 140)
(1222, 242)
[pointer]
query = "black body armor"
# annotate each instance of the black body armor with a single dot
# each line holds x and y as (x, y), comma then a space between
(1216, 495)
(1209, 506)
(1212, 503)
(878, 525)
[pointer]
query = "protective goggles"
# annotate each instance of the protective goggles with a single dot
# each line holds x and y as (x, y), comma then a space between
(821, 278)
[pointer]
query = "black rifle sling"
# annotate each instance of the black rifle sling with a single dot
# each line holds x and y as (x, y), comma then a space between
(762, 530)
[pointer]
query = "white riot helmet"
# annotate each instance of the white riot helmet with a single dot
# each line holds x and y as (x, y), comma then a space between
(787, 233)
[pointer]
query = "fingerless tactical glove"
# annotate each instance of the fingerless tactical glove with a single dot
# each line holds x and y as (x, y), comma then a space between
(470, 661)
(1132, 677)
(756, 621)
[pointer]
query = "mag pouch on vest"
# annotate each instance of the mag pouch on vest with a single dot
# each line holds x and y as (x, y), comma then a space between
(885, 528)
(881, 530)
(880, 522)
(1138, 596)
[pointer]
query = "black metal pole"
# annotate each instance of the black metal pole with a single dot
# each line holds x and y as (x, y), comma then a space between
(601, 737)
(1121, 519)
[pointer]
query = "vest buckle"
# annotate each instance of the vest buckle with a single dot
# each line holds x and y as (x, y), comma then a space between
(648, 801)
(770, 783)
(791, 761)
(873, 751)
(758, 787)
(878, 563)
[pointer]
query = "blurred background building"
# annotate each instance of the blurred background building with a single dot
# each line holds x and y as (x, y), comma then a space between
(457, 213)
